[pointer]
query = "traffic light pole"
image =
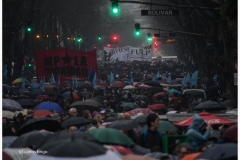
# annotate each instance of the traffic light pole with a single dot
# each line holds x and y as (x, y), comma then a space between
(167, 5)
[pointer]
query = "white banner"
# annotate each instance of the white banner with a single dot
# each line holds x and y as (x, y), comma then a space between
(128, 53)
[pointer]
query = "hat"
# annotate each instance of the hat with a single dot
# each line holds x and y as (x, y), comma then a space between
(56, 116)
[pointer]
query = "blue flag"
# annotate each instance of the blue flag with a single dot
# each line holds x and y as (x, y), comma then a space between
(52, 79)
(23, 83)
(91, 75)
(111, 78)
(76, 82)
(188, 79)
(194, 78)
(158, 75)
(215, 78)
(184, 81)
(154, 78)
(131, 77)
(169, 78)
(95, 79)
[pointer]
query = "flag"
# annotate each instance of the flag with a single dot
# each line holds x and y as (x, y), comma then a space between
(72, 81)
(169, 78)
(111, 78)
(76, 82)
(41, 82)
(154, 78)
(188, 79)
(52, 79)
(131, 77)
(194, 78)
(95, 79)
(58, 79)
(184, 81)
(215, 78)
(23, 83)
(91, 75)
(158, 75)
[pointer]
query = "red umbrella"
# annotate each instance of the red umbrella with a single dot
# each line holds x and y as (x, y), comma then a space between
(102, 84)
(135, 83)
(144, 111)
(162, 94)
(41, 113)
(231, 132)
(144, 86)
(119, 84)
(40, 96)
(155, 107)
(138, 84)
(209, 118)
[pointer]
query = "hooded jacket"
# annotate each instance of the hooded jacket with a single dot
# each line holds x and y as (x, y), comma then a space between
(196, 138)
(17, 125)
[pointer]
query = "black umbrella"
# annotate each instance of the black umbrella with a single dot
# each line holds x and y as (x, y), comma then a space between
(85, 85)
(156, 89)
(66, 135)
(29, 139)
(210, 106)
(227, 151)
(23, 91)
(92, 103)
(101, 97)
(36, 91)
(67, 89)
(21, 96)
(84, 94)
(73, 147)
(231, 103)
(39, 123)
(8, 140)
(75, 121)
(153, 83)
(123, 124)
(50, 93)
(213, 88)
(141, 119)
(139, 97)
(96, 99)
(27, 103)
(11, 105)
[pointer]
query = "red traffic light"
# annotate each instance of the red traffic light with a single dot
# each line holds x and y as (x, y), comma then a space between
(156, 44)
(108, 45)
(114, 37)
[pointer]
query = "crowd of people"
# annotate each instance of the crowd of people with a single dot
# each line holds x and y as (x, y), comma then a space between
(101, 105)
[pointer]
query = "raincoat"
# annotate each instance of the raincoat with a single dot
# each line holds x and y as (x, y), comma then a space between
(196, 138)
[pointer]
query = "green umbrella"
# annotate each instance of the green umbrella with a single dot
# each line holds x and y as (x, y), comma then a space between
(163, 127)
(111, 136)
(130, 105)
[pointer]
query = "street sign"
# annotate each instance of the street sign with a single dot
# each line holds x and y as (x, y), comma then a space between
(235, 79)
(165, 35)
(168, 12)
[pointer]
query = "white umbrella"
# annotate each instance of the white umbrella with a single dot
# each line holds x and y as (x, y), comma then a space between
(8, 114)
(129, 87)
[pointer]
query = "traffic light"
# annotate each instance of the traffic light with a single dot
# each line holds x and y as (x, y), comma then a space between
(115, 40)
(137, 27)
(29, 65)
(115, 6)
(99, 36)
(29, 26)
(149, 37)
(79, 39)
(155, 44)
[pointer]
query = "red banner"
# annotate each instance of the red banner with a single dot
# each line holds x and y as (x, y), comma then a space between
(66, 63)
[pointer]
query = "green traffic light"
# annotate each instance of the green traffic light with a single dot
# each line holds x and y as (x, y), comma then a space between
(115, 10)
(29, 65)
(149, 39)
(137, 33)
(99, 38)
(29, 29)
(79, 40)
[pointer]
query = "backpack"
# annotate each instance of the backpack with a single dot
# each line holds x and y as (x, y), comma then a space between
(145, 135)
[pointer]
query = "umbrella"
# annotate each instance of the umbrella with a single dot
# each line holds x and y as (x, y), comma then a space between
(209, 118)
(129, 104)
(231, 132)
(153, 83)
(39, 123)
(49, 106)
(140, 97)
(34, 84)
(123, 124)
(156, 107)
(174, 91)
(39, 97)
(50, 86)
(220, 151)
(111, 136)
(29, 139)
(66, 135)
(41, 113)
(210, 106)
(144, 86)
(67, 94)
(10, 105)
(36, 91)
(127, 82)
(175, 82)
(85, 85)
(163, 127)
(84, 94)
(104, 84)
(17, 153)
(129, 87)
(75, 121)
(21, 96)
(158, 155)
(8, 140)
(8, 114)
(191, 156)
(119, 84)
(136, 157)
(109, 155)
(141, 119)
(19, 80)
(205, 80)
(50, 93)
(96, 99)
(213, 88)
(162, 94)
(27, 103)
(231, 103)
(92, 103)
(144, 111)
(70, 147)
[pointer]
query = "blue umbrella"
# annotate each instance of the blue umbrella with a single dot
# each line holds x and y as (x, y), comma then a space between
(8, 140)
(34, 84)
(36, 91)
(49, 106)
(131, 105)
(174, 91)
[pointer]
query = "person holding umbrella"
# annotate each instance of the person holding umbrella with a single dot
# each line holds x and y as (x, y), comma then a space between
(195, 130)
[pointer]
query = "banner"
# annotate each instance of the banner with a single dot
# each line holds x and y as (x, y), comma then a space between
(128, 53)
(64, 62)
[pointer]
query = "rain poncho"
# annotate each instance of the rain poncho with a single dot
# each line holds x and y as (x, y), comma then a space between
(197, 139)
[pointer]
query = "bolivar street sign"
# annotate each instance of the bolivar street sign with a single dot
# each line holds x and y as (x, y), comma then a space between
(168, 12)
